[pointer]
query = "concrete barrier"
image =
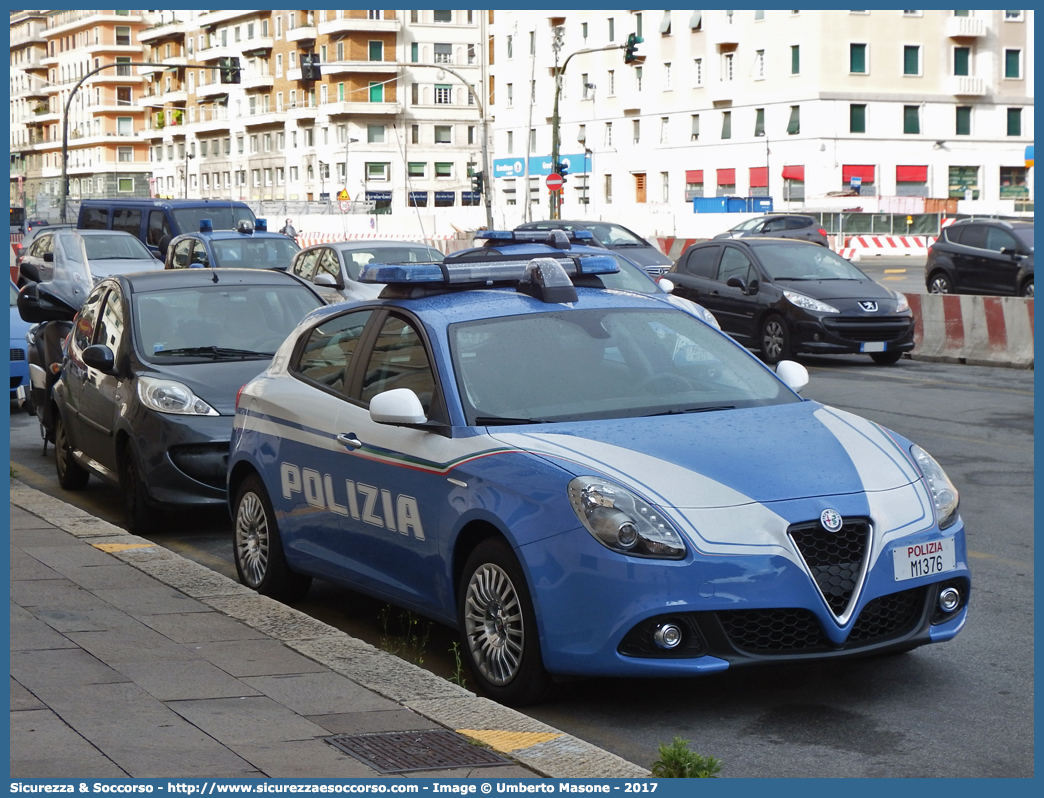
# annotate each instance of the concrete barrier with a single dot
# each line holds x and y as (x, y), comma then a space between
(674, 247)
(977, 330)
(856, 247)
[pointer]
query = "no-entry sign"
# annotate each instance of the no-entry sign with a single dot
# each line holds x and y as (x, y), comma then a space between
(554, 181)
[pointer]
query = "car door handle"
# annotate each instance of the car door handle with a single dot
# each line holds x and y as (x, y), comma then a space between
(349, 440)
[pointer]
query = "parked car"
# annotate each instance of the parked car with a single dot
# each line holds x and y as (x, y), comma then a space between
(155, 222)
(105, 252)
(19, 348)
(982, 256)
(247, 247)
(615, 237)
(584, 481)
(148, 387)
(334, 269)
(805, 228)
(17, 219)
(21, 247)
(524, 245)
(784, 297)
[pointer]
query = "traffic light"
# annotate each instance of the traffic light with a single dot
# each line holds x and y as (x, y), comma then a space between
(230, 70)
(476, 182)
(310, 66)
(630, 56)
(563, 170)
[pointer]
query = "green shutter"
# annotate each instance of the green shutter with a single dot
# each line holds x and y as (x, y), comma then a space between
(961, 57)
(376, 51)
(726, 124)
(911, 119)
(857, 58)
(963, 120)
(1014, 121)
(795, 59)
(911, 60)
(794, 125)
(1011, 63)
(414, 52)
(857, 119)
(376, 92)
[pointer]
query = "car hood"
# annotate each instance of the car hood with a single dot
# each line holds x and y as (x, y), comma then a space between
(216, 383)
(728, 458)
(106, 267)
(837, 289)
(643, 256)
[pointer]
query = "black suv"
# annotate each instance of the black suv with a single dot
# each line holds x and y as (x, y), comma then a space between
(805, 228)
(982, 256)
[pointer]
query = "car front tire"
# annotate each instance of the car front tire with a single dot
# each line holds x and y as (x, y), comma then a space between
(499, 638)
(135, 499)
(939, 283)
(774, 339)
(1026, 289)
(258, 548)
(71, 475)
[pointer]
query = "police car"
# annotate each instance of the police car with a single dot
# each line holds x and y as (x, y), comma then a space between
(249, 246)
(583, 481)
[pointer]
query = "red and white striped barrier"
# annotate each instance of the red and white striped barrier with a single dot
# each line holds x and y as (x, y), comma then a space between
(857, 246)
(977, 330)
(674, 248)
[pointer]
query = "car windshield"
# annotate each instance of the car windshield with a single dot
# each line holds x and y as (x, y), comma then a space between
(749, 224)
(114, 247)
(215, 322)
(14, 295)
(246, 252)
(630, 278)
(221, 217)
(805, 262)
(613, 234)
(1025, 235)
(602, 363)
(356, 259)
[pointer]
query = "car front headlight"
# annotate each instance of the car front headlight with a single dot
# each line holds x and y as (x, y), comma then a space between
(901, 303)
(169, 396)
(944, 494)
(622, 522)
(808, 303)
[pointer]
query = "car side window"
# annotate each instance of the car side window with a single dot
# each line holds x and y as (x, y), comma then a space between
(127, 220)
(304, 266)
(199, 253)
(399, 360)
(796, 223)
(329, 348)
(329, 264)
(997, 239)
(774, 225)
(953, 234)
(974, 235)
(110, 323)
(41, 245)
(83, 330)
(734, 264)
(158, 227)
(95, 219)
(182, 254)
(703, 262)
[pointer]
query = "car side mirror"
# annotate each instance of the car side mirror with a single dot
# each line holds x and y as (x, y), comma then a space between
(737, 282)
(666, 285)
(326, 280)
(197, 265)
(1011, 252)
(397, 406)
(48, 257)
(793, 374)
(100, 357)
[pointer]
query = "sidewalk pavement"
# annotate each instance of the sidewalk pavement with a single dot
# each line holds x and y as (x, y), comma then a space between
(128, 660)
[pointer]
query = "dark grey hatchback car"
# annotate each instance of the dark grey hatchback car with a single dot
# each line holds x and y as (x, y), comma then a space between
(804, 228)
(982, 256)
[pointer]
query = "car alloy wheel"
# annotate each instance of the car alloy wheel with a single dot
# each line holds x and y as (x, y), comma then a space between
(1027, 289)
(71, 475)
(940, 284)
(775, 340)
(252, 540)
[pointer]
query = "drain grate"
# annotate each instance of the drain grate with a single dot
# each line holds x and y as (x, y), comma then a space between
(402, 752)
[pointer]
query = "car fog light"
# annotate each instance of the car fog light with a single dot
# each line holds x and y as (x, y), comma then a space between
(627, 535)
(817, 337)
(949, 599)
(668, 635)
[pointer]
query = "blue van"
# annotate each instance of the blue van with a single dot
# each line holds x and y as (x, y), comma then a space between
(156, 221)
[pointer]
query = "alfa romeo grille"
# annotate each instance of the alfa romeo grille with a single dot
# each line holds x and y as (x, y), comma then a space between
(835, 559)
(888, 615)
(773, 630)
(17, 354)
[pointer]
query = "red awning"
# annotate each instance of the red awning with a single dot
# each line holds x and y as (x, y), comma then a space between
(726, 177)
(848, 171)
(693, 175)
(794, 173)
(911, 174)
(759, 177)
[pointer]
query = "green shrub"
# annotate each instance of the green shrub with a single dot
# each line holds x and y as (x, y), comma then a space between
(678, 762)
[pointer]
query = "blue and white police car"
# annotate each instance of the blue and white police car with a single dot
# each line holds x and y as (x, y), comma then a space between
(583, 481)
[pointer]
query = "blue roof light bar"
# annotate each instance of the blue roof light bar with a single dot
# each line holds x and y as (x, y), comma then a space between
(478, 272)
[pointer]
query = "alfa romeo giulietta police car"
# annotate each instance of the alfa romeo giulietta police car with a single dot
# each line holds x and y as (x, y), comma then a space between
(583, 481)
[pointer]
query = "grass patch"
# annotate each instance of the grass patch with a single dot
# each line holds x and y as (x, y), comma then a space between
(677, 761)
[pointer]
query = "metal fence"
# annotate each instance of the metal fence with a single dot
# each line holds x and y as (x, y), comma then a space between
(889, 224)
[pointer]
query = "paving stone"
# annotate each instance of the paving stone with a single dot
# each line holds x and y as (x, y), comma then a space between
(246, 721)
(22, 699)
(315, 693)
(65, 666)
(26, 569)
(254, 657)
(87, 619)
(155, 600)
(178, 680)
(43, 536)
(201, 627)
(28, 633)
(373, 722)
(113, 575)
(44, 747)
(136, 643)
(307, 759)
(53, 594)
(20, 519)
(66, 558)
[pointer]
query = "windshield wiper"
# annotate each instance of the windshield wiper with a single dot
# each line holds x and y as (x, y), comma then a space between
(216, 352)
(492, 421)
(684, 410)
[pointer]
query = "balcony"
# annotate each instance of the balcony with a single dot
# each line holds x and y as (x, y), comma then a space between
(46, 117)
(255, 82)
(116, 108)
(119, 75)
(163, 64)
(376, 67)
(333, 27)
(211, 18)
(303, 34)
(721, 31)
(257, 120)
(301, 113)
(966, 86)
(721, 91)
(211, 90)
(362, 108)
(69, 21)
(214, 121)
(259, 45)
(136, 51)
(965, 27)
(177, 97)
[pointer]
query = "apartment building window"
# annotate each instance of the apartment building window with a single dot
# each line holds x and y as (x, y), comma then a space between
(510, 95)
(608, 189)
(253, 144)
(758, 181)
(414, 16)
(375, 134)
(471, 134)
(279, 65)
(376, 92)
(123, 95)
(532, 140)
(416, 169)
(664, 124)
(1013, 64)
(280, 174)
(759, 65)
(726, 124)
(1013, 183)
(443, 53)
(264, 29)
(376, 51)
(377, 171)
(759, 121)
(962, 61)
(638, 78)
(665, 187)
(414, 134)
(612, 82)
(123, 68)
(794, 125)
(912, 59)
(857, 59)
(339, 50)
(443, 134)
(667, 76)
(1014, 121)
(697, 72)
(1013, 16)
(510, 47)
(911, 13)
(694, 133)
(414, 53)
(268, 142)
(123, 36)
(637, 126)
(279, 27)
(294, 174)
(726, 183)
(124, 126)
(727, 60)
(612, 29)
(240, 142)
(124, 154)
(443, 169)
(963, 121)
(857, 118)
(693, 183)
(911, 119)
(280, 141)
(608, 134)
(585, 83)
(204, 146)
(443, 15)
(471, 54)
(795, 59)
(443, 94)
(759, 15)
(252, 104)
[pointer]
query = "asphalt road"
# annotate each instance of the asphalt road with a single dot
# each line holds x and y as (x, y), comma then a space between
(963, 708)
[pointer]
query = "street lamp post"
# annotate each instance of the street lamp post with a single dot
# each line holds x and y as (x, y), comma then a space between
(349, 141)
(322, 182)
(187, 156)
